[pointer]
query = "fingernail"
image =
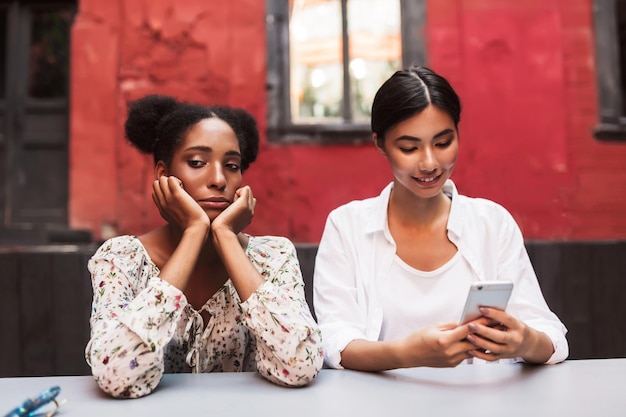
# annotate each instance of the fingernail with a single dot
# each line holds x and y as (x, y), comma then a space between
(484, 310)
(472, 327)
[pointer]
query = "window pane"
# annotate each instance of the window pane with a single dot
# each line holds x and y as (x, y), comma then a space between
(3, 51)
(315, 44)
(49, 53)
(375, 50)
(621, 42)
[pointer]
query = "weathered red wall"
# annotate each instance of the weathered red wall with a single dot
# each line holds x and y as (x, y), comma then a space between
(524, 70)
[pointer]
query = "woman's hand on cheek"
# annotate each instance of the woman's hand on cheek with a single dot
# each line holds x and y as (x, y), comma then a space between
(175, 205)
(239, 214)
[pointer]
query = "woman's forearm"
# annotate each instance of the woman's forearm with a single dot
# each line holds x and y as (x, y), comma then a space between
(181, 263)
(364, 355)
(242, 273)
(539, 348)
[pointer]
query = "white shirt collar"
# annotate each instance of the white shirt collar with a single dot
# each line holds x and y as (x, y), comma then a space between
(378, 219)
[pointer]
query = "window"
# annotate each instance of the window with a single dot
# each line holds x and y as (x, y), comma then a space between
(610, 35)
(34, 105)
(327, 58)
(49, 51)
(3, 52)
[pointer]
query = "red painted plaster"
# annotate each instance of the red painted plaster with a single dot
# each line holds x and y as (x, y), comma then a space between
(94, 121)
(528, 87)
(524, 71)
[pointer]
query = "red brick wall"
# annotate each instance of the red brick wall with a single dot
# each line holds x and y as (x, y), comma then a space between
(203, 51)
(524, 70)
(94, 116)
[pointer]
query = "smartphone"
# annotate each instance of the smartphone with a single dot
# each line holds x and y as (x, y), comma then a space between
(494, 294)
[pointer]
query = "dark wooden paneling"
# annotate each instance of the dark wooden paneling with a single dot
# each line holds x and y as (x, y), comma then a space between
(565, 283)
(306, 256)
(70, 318)
(10, 365)
(36, 311)
(606, 272)
(584, 283)
(45, 301)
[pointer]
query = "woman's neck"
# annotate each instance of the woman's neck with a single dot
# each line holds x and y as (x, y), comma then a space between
(407, 209)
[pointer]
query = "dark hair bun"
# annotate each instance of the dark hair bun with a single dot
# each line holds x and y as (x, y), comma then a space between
(249, 130)
(144, 116)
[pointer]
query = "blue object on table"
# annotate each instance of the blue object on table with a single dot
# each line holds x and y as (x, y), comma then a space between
(30, 405)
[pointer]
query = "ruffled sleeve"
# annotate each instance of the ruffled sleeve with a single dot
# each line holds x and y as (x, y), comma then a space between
(289, 349)
(134, 316)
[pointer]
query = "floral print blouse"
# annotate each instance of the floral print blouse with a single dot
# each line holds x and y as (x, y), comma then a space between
(143, 327)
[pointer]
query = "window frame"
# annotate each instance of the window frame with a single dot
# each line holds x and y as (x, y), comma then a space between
(611, 124)
(280, 129)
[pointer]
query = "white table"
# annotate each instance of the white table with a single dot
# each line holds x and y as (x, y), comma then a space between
(589, 388)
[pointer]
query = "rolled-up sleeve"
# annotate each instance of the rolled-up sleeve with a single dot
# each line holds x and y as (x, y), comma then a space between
(527, 301)
(342, 319)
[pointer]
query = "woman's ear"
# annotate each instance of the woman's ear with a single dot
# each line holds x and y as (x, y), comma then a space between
(376, 143)
(160, 169)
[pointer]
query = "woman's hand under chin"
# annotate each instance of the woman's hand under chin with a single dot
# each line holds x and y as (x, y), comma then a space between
(176, 206)
(238, 215)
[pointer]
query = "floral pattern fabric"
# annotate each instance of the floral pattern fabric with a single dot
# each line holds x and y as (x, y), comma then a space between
(143, 327)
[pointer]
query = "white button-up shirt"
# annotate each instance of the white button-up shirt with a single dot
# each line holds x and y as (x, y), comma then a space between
(355, 255)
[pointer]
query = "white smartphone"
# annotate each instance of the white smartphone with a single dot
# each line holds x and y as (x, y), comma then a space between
(494, 294)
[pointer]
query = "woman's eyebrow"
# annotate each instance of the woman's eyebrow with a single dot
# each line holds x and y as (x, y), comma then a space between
(208, 149)
(233, 153)
(199, 148)
(416, 139)
(443, 133)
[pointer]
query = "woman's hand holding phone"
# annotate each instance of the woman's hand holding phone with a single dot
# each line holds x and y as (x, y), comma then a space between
(486, 303)
(493, 294)
(510, 338)
(504, 340)
(441, 345)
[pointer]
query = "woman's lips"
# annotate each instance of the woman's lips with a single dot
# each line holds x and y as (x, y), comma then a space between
(214, 203)
(428, 181)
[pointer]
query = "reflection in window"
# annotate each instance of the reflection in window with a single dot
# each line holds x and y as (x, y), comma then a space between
(318, 67)
(375, 49)
(3, 51)
(621, 42)
(49, 53)
(610, 62)
(315, 59)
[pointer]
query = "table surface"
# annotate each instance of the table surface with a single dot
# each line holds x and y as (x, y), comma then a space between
(589, 388)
